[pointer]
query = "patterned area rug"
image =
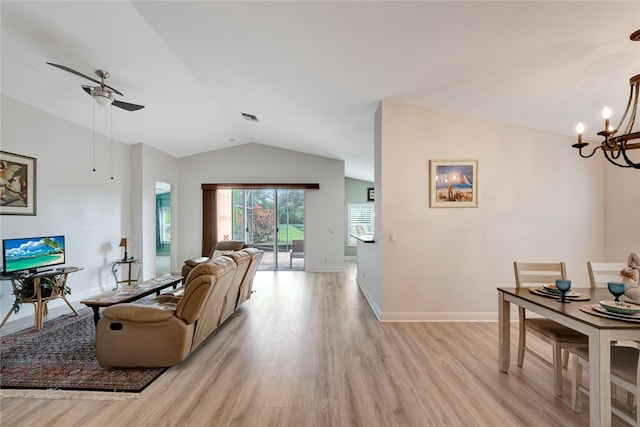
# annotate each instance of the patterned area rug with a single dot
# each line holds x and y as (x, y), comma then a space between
(62, 357)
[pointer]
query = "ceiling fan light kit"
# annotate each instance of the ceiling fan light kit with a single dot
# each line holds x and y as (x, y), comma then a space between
(102, 97)
(615, 145)
(100, 94)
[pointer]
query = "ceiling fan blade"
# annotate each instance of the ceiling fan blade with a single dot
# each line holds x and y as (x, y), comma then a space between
(87, 89)
(115, 90)
(77, 73)
(127, 106)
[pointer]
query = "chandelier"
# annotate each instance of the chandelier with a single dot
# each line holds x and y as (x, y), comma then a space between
(617, 141)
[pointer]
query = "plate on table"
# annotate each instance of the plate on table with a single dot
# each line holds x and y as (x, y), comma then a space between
(557, 293)
(613, 314)
(551, 288)
(620, 307)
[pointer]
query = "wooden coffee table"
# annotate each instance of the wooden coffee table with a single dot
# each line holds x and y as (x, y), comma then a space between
(130, 293)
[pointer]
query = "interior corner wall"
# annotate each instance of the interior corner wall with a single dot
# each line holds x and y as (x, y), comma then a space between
(355, 192)
(257, 163)
(88, 208)
(622, 212)
(537, 201)
(369, 273)
(150, 164)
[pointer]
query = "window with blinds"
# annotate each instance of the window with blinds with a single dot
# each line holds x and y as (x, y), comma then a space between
(360, 215)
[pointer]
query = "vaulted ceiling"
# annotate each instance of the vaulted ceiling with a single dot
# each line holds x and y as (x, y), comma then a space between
(313, 72)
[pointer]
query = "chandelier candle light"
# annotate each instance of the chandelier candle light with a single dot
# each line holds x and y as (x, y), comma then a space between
(615, 145)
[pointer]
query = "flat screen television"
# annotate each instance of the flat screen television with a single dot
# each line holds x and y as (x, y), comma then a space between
(33, 254)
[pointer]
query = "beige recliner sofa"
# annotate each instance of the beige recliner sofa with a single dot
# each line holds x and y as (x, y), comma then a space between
(168, 330)
(246, 286)
(218, 249)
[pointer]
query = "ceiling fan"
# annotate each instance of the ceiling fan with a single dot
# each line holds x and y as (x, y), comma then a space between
(103, 94)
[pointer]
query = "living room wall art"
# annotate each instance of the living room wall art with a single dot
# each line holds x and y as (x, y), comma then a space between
(453, 183)
(17, 184)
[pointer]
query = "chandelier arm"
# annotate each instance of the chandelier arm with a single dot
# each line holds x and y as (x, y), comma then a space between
(615, 154)
(626, 110)
(634, 111)
(613, 162)
(631, 163)
(586, 156)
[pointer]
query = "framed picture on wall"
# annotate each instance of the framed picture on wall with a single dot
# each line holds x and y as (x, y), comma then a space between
(371, 194)
(17, 184)
(453, 183)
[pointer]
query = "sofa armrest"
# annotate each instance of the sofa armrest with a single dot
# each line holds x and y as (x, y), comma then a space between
(195, 261)
(167, 299)
(140, 313)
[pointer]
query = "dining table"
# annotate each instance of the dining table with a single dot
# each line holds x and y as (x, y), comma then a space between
(580, 316)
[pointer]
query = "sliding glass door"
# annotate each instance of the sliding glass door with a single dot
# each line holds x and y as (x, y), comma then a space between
(290, 230)
(272, 219)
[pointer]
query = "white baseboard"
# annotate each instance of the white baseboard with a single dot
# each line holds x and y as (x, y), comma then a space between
(443, 317)
(438, 317)
(369, 298)
(325, 270)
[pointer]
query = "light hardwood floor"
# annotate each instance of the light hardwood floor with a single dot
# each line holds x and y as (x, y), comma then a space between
(306, 350)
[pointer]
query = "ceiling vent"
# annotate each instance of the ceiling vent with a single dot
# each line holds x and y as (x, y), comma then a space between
(249, 117)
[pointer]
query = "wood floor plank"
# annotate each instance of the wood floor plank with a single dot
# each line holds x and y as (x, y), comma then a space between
(306, 350)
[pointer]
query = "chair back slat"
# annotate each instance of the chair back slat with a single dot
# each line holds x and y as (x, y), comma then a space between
(532, 274)
(602, 272)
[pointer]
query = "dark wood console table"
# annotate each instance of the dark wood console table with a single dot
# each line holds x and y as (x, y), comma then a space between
(130, 293)
(22, 281)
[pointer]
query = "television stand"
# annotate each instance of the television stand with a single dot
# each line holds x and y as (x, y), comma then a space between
(29, 288)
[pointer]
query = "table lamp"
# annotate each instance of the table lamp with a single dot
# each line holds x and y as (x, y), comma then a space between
(123, 244)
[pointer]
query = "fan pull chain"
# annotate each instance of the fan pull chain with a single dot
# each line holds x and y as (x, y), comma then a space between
(111, 110)
(94, 135)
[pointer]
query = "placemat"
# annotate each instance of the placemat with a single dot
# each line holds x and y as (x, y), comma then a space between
(542, 292)
(589, 309)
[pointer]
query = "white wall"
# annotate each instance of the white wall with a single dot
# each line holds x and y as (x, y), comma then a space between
(256, 163)
(367, 276)
(622, 213)
(91, 210)
(538, 201)
(370, 265)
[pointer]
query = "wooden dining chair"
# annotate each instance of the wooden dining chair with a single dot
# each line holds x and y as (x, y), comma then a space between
(561, 338)
(624, 374)
(602, 272)
(599, 274)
